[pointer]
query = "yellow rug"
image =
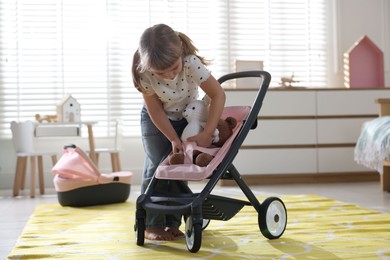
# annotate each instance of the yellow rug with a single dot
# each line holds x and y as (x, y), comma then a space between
(318, 228)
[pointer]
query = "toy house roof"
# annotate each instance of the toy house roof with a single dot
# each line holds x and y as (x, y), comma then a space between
(67, 98)
(366, 43)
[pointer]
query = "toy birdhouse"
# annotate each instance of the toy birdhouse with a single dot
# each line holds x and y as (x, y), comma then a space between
(68, 110)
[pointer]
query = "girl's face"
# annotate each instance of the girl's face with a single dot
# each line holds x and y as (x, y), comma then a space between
(171, 72)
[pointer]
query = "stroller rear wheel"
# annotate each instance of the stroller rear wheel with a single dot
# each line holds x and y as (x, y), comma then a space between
(193, 235)
(205, 223)
(139, 228)
(272, 218)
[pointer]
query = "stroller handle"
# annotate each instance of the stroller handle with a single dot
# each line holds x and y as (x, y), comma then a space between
(246, 74)
(251, 121)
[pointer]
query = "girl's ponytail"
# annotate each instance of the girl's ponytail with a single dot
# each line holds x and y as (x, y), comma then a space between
(134, 71)
(189, 48)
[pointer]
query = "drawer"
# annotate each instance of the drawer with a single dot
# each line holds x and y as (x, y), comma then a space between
(338, 160)
(283, 132)
(349, 102)
(56, 130)
(345, 130)
(277, 103)
(240, 98)
(289, 103)
(272, 161)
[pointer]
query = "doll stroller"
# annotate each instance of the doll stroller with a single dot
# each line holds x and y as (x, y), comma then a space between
(199, 208)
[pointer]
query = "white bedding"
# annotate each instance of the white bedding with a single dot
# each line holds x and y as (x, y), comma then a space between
(373, 144)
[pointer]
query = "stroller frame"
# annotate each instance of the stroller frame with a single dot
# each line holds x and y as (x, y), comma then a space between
(199, 208)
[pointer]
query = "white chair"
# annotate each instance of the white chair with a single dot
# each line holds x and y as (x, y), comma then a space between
(23, 141)
(113, 150)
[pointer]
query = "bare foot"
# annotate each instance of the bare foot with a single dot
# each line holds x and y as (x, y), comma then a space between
(174, 231)
(159, 234)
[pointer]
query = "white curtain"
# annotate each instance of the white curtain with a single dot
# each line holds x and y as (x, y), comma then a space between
(50, 48)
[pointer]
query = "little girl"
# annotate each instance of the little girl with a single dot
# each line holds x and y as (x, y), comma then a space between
(168, 72)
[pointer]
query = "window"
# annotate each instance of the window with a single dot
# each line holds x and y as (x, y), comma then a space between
(50, 48)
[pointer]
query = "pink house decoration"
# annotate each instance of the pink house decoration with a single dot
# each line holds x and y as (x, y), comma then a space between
(364, 65)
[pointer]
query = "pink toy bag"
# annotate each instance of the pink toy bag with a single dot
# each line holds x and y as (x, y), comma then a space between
(78, 181)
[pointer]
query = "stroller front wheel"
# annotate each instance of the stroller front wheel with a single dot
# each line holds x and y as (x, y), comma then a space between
(139, 228)
(272, 218)
(193, 235)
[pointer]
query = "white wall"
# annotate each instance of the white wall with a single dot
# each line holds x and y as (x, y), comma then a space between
(351, 20)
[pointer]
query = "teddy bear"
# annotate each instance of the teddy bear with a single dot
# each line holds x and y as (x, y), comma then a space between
(223, 132)
(225, 129)
(196, 114)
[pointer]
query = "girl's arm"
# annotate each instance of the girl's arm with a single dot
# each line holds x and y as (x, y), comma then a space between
(160, 119)
(213, 89)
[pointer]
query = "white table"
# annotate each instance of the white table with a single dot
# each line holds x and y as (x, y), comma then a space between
(68, 129)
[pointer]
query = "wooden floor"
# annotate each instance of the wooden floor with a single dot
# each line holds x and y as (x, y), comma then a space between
(16, 211)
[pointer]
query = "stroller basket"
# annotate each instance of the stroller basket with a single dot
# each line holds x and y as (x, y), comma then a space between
(221, 208)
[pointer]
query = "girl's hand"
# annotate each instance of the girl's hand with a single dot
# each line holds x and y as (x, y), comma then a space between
(177, 146)
(202, 139)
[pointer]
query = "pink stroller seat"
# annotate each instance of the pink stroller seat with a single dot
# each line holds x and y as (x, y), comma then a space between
(193, 172)
(78, 181)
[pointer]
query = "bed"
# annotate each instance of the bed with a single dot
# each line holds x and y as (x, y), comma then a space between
(373, 145)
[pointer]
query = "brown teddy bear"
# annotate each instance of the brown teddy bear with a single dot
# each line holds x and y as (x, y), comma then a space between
(225, 129)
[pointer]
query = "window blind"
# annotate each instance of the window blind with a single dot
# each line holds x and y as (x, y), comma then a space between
(50, 48)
